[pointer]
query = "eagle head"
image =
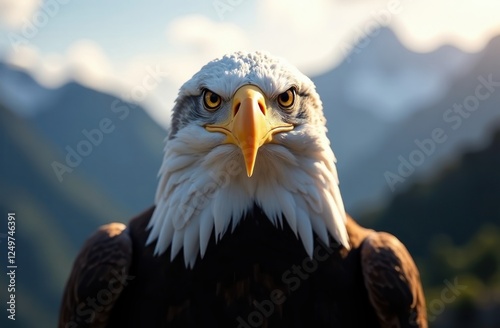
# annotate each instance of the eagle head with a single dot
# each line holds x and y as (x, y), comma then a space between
(247, 130)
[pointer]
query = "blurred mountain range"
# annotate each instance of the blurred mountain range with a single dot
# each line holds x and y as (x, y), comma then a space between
(368, 137)
(74, 158)
(66, 168)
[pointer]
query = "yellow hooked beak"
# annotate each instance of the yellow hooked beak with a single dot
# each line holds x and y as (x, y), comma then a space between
(249, 125)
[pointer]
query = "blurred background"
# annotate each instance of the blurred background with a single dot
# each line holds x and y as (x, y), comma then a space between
(411, 91)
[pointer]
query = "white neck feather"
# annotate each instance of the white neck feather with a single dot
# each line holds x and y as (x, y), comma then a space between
(203, 185)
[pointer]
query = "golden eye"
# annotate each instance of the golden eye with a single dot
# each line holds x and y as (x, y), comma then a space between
(287, 98)
(211, 100)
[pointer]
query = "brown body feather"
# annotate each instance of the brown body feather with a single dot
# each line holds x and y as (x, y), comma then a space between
(256, 276)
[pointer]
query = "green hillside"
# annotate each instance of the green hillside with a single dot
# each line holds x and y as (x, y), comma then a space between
(53, 219)
(451, 224)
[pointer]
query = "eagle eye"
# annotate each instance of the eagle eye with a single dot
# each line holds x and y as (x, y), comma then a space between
(211, 100)
(287, 98)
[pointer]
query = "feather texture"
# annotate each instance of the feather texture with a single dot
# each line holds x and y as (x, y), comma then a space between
(204, 187)
(207, 195)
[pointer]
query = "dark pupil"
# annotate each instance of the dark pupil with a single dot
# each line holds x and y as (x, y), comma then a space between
(285, 97)
(214, 98)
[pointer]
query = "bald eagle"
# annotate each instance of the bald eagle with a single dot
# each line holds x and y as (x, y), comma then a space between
(248, 228)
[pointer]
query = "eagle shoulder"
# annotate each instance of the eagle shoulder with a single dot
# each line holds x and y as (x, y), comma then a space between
(393, 281)
(97, 278)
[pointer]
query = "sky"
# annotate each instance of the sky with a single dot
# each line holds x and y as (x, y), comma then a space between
(144, 50)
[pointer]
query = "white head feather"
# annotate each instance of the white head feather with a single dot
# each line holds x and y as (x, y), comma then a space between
(203, 183)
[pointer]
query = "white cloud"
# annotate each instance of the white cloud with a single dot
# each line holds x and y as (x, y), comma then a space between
(84, 62)
(467, 24)
(306, 33)
(48, 70)
(13, 13)
(87, 63)
(196, 39)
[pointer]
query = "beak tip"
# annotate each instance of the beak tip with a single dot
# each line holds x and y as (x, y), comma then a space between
(249, 156)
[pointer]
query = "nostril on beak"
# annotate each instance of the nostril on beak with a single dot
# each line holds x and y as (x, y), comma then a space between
(236, 108)
(262, 107)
